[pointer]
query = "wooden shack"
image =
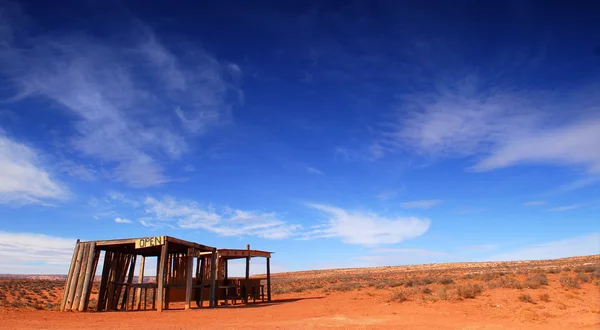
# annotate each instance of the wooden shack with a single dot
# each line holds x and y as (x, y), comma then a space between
(175, 279)
(118, 291)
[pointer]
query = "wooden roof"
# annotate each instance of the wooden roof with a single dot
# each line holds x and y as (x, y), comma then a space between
(242, 253)
(150, 246)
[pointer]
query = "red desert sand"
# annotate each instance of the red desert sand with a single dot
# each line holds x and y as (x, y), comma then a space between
(550, 294)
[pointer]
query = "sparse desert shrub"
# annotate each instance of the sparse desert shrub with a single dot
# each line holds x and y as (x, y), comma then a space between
(566, 269)
(346, 286)
(526, 298)
(583, 277)
(569, 282)
(446, 280)
(442, 293)
(426, 290)
(401, 295)
(544, 297)
(507, 282)
(469, 291)
(488, 277)
(553, 271)
(536, 281)
(585, 269)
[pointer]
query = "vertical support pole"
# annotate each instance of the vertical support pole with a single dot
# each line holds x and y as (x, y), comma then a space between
(164, 259)
(213, 279)
(81, 278)
(129, 281)
(268, 278)
(88, 278)
(226, 269)
(104, 281)
(86, 301)
(141, 280)
(189, 274)
(247, 274)
(75, 278)
(69, 276)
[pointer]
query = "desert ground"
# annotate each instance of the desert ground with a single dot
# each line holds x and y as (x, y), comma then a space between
(549, 294)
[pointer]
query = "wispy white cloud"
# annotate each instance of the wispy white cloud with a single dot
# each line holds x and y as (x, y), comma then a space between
(575, 246)
(364, 228)
(227, 222)
(80, 171)
(422, 204)
(534, 203)
(386, 195)
(313, 170)
(565, 208)
(500, 127)
(129, 99)
(23, 178)
(578, 184)
(49, 254)
(122, 220)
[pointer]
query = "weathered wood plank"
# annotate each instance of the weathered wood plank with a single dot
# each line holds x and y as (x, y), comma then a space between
(246, 280)
(268, 279)
(76, 270)
(93, 274)
(69, 276)
(102, 294)
(164, 258)
(129, 281)
(88, 275)
(213, 280)
(141, 280)
(81, 277)
(189, 274)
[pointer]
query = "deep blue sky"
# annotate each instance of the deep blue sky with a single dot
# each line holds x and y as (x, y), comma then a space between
(337, 134)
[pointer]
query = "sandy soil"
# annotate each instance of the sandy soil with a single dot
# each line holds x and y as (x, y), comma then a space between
(366, 307)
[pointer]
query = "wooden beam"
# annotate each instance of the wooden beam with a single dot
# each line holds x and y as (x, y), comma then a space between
(88, 277)
(233, 253)
(74, 280)
(164, 259)
(69, 276)
(141, 280)
(268, 279)
(213, 280)
(189, 274)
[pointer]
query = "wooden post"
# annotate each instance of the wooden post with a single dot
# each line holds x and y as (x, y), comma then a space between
(269, 279)
(69, 276)
(141, 280)
(164, 259)
(81, 278)
(104, 281)
(86, 300)
(129, 281)
(74, 280)
(213, 279)
(246, 280)
(247, 274)
(88, 278)
(226, 269)
(189, 274)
